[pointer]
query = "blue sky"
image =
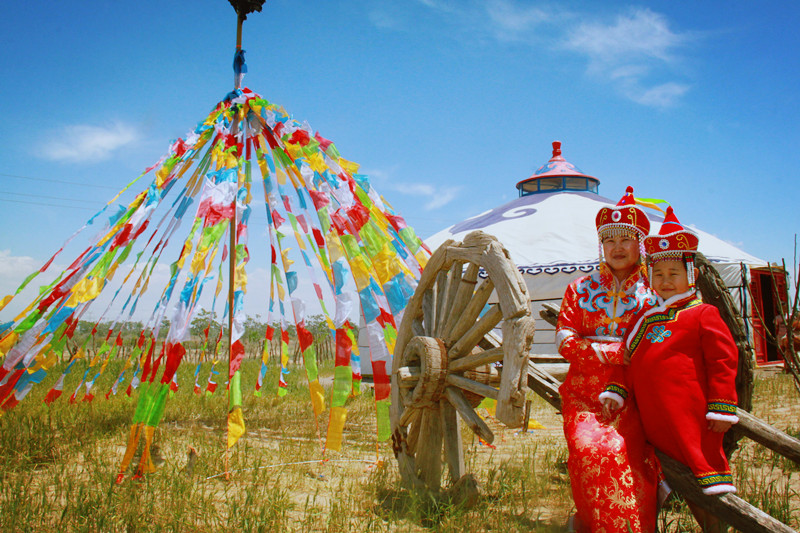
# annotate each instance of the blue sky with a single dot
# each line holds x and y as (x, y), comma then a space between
(445, 104)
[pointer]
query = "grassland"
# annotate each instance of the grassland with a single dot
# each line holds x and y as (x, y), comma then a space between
(58, 466)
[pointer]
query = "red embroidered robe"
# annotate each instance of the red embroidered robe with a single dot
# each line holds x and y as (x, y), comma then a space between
(683, 374)
(613, 471)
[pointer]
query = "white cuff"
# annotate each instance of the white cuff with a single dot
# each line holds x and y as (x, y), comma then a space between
(616, 398)
(719, 489)
(733, 419)
(598, 352)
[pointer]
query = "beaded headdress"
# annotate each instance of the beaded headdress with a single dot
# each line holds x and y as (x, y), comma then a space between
(673, 243)
(625, 218)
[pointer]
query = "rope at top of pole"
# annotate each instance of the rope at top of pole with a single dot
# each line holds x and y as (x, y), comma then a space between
(243, 8)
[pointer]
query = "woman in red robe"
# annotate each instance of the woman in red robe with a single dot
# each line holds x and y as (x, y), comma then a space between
(613, 471)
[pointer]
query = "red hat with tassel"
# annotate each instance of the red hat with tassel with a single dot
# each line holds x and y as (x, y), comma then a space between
(623, 218)
(673, 243)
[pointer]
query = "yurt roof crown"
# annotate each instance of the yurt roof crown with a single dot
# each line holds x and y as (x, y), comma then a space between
(556, 175)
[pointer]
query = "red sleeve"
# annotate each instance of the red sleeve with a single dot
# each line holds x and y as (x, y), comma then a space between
(617, 385)
(574, 348)
(721, 358)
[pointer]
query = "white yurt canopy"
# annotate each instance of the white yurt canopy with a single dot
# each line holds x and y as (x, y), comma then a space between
(551, 235)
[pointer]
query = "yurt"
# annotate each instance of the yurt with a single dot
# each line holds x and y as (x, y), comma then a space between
(550, 233)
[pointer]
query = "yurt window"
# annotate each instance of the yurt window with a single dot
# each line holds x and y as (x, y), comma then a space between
(576, 184)
(551, 184)
(529, 187)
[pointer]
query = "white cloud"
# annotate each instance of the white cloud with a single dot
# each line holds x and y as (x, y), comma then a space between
(85, 143)
(419, 189)
(442, 197)
(511, 21)
(436, 195)
(665, 95)
(448, 6)
(628, 52)
(637, 34)
(17, 267)
(13, 271)
(636, 52)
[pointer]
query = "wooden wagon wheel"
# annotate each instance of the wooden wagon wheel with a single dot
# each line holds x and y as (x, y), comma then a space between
(444, 355)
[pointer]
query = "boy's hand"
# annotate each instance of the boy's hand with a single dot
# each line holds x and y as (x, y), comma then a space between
(626, 357)
(609, 408)
(719, 426)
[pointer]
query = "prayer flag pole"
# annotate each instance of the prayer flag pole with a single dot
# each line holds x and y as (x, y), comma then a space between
(235, 418)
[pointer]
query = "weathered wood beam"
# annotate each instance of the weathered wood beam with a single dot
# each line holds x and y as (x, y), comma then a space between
(549, 313)
(731, 509)
(545, 385)
(761, 432)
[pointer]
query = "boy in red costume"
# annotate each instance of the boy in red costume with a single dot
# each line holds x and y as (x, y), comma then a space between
(683, 364)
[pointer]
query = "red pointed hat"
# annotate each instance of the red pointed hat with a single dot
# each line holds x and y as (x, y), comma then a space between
(623, 218)
(672, 241)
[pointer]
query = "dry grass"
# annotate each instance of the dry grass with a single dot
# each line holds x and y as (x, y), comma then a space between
(58, 464)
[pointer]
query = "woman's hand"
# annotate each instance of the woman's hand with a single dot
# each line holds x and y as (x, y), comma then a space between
(610, 407)
(717, 426)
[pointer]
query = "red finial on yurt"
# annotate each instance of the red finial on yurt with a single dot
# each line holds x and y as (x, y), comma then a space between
(557, 151)
(557, 175)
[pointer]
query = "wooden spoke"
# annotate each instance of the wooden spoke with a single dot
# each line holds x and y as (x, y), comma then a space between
(471, 312)
(448, 297)
(441, 299)
(429, 312)
(466, 288)
(413, 431)
(475, 422)
(485, 374)
(429, 456)
(481, 389)
(474, 360)
(465, 344)
(418, 327)
(453, 447)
